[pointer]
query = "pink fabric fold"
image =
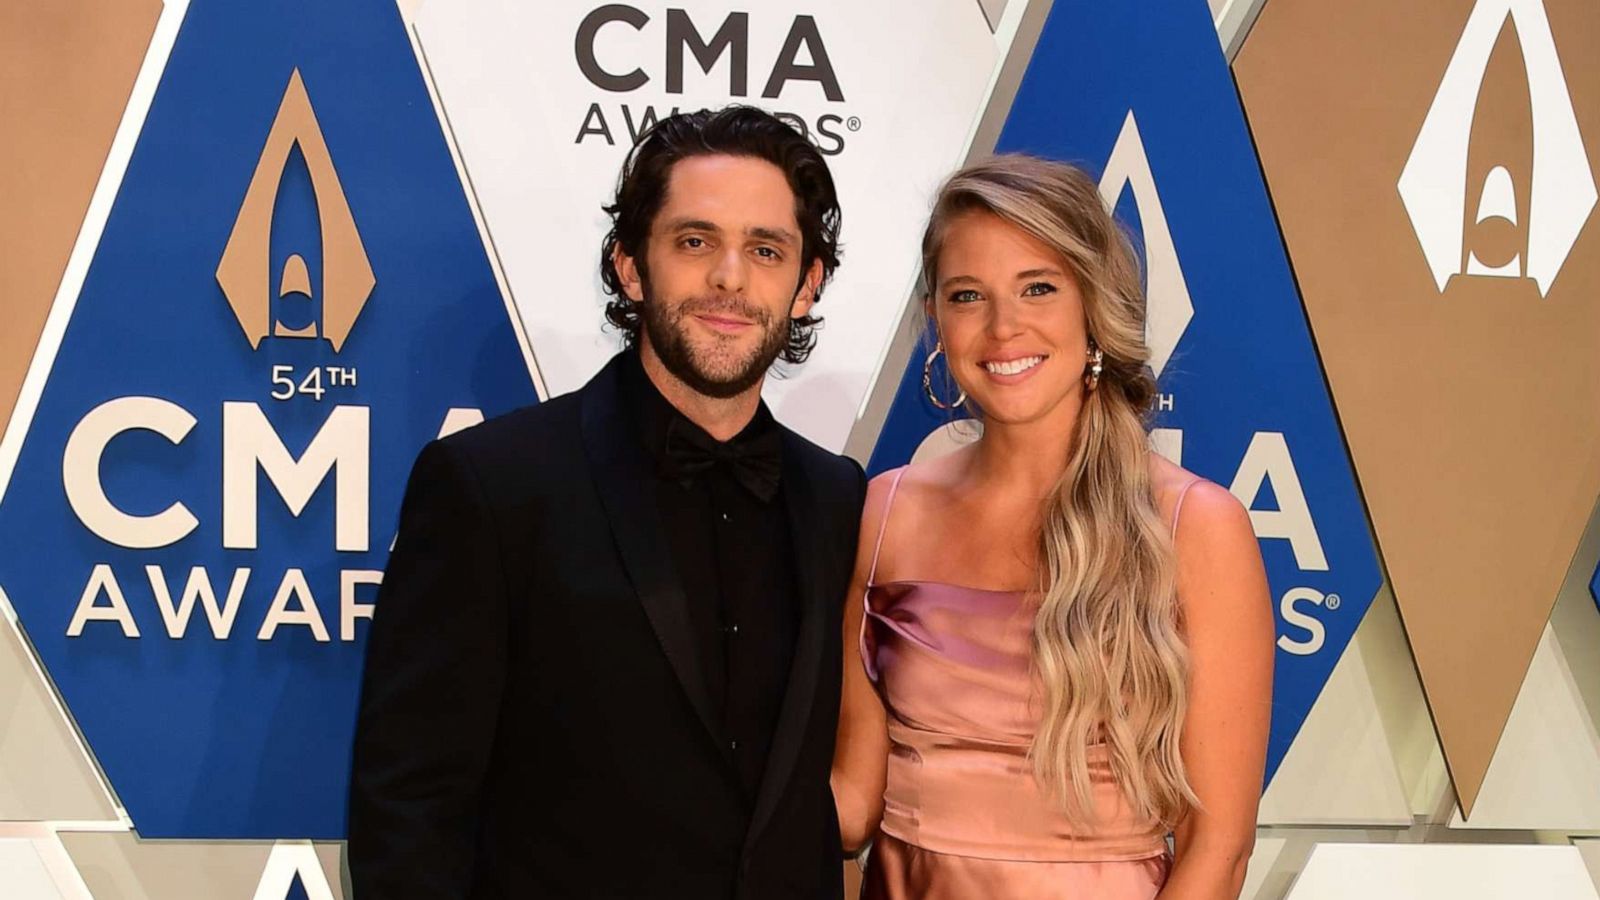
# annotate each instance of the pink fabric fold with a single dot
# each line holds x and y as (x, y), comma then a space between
(963, 814)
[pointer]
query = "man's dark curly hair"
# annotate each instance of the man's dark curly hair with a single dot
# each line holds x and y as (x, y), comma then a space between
(733, 131)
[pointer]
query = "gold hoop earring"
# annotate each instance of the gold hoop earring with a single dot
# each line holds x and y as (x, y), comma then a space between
(1096, 366)
(927, 380)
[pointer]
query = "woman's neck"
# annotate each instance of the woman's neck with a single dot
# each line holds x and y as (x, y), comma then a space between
(1030, 456)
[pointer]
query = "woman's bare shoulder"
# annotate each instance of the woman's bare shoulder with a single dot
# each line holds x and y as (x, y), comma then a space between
(933, 476)
(1206, 504)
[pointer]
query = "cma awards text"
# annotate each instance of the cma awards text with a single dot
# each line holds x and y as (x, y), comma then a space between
(251, 447)
(802, 58)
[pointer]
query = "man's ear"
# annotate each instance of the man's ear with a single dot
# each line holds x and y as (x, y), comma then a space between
(806, 297)
(628, 274)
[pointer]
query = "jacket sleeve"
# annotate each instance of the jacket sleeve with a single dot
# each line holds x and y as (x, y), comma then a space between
(430, 691)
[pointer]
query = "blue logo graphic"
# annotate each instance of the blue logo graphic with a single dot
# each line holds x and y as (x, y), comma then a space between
(289, 299)
(1139, 94)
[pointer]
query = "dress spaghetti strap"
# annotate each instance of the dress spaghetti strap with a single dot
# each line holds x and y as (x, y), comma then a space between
(872, 575)
(883, 525)
(1178, 507)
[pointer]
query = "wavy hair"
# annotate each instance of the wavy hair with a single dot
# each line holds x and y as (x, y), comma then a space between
(1107, 640)
(735, 131)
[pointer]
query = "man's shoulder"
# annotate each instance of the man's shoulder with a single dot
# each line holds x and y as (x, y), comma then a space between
(520, 444)
(831, 468)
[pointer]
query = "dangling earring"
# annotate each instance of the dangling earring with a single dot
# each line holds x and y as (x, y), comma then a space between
(1096, 365)
(927, 380)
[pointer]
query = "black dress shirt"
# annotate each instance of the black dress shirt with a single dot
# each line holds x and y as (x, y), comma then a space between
(733, 555)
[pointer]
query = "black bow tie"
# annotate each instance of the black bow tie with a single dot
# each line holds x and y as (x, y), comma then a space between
(753, 460)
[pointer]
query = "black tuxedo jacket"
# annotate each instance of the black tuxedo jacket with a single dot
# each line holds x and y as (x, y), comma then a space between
(533, 720)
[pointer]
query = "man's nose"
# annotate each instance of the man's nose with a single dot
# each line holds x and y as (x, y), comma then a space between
(729, 273)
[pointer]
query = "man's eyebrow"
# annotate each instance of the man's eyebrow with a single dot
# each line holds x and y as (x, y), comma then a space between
(775, 235)
(759, 232)
(685, 224)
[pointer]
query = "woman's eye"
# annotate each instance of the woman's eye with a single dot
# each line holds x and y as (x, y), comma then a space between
(1038, 289)
(963, 296)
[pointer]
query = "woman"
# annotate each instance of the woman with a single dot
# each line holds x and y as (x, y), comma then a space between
(1066, 641)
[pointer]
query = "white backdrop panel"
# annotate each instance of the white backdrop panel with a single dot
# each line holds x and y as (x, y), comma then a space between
(1446, 871)
(542, 143)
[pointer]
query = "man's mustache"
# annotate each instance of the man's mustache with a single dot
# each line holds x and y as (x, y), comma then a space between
(724, 305)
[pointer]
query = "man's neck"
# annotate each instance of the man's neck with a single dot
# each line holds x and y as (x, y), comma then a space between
(720, 417)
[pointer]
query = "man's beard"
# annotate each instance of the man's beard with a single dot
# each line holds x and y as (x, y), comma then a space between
(718, 369)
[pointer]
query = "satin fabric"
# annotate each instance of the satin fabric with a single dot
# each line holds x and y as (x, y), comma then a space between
(963, 814)
(899, 871)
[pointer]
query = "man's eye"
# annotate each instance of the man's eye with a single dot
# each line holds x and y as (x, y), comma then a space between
(693, 243)
(768, 253)
(966, 296)
(1038, 289)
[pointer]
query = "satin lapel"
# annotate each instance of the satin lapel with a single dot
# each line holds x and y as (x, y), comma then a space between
(627, 489)
(810, 641)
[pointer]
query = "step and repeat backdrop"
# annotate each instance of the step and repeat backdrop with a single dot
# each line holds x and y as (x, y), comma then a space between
(257, 254)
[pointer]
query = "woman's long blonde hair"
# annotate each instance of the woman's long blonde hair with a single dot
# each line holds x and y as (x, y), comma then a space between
(1106, 639)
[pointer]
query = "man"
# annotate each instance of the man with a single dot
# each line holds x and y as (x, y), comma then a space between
(606, 657)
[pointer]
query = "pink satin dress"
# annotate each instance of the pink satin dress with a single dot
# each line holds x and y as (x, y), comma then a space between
(964, 818)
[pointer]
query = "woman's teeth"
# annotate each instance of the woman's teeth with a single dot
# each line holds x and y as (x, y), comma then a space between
(1013, 366)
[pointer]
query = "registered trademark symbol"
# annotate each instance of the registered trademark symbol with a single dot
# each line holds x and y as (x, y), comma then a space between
(1331, 601)
(853, 123)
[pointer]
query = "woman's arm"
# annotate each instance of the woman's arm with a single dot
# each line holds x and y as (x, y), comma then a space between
(1227, 614)
(861, 755)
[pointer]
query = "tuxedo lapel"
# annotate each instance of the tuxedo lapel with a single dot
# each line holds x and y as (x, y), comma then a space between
(810, 642)
(627, 488)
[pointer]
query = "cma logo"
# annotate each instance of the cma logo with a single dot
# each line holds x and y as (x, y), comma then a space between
(340, 451)
(732, 37)
(1267, 460)
(252, 450)
(250, 445)
(803, 57)
(262, 300)
(1543, 199)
